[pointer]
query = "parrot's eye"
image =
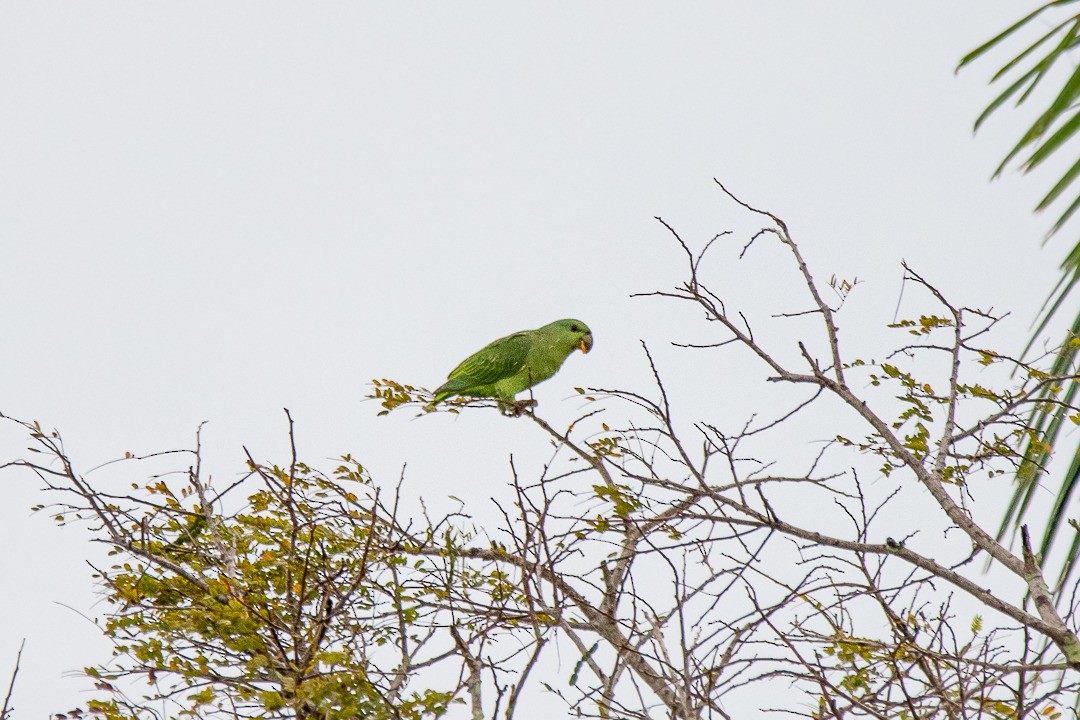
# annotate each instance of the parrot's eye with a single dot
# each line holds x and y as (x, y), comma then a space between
(575, 328)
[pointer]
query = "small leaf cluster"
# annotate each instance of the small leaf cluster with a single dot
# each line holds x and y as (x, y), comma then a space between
(392, 394)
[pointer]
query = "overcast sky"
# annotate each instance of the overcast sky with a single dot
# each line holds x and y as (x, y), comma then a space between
(212, 211)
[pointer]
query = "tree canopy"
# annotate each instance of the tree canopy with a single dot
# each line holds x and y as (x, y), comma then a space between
(817, 560)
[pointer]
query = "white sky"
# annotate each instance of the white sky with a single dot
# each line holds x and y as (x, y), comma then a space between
(211, 211)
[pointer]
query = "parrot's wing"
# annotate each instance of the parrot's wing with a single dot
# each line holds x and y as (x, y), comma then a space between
(499, 360)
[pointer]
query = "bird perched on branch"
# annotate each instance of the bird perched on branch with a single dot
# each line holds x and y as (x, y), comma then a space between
(516, 362)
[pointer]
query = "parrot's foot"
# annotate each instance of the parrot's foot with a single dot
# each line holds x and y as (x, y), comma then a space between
(516, 408)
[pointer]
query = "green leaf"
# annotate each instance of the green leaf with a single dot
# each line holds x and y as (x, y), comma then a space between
(581, 661)
(1004, 69)
(1068, 486)
(1056, 140)
(1066, 180)
(1065, 216)
(1003, 98)
(979, 51)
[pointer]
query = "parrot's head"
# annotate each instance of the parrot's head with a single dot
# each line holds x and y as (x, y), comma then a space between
(577, 333)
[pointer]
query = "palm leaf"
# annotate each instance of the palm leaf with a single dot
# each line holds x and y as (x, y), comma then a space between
(1056, 140)
(1044, 426)
(979, 51)
(1057, 513)
(1004, 69)
(1073, 206)
(1063, 183)
(1060, 103)
(1053, 129)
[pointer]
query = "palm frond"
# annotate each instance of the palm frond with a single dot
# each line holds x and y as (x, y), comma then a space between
(1052, 134)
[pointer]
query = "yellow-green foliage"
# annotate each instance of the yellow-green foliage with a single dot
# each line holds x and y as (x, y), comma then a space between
(267, 608)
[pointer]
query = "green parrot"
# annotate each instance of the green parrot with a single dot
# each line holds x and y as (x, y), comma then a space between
(516, 362)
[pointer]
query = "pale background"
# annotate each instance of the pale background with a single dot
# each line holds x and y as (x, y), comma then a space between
(211, 211)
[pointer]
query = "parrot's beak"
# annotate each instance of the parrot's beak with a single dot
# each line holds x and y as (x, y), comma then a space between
(586, 343)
